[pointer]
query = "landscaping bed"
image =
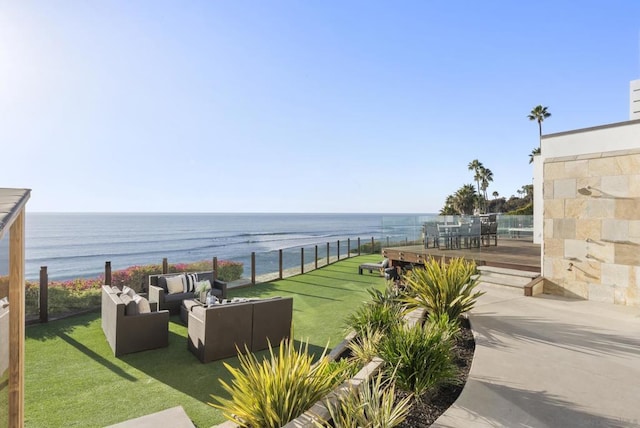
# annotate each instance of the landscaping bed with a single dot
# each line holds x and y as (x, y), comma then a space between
(425, 411)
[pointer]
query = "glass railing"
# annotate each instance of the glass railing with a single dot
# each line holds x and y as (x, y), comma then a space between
(417, 229)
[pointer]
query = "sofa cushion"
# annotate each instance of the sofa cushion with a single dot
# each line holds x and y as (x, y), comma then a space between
(175, 284)
(4, 302)
(190, 282)
(162, 283)
(142, 305)
(115, 290)
(130, 307)
(129, 291)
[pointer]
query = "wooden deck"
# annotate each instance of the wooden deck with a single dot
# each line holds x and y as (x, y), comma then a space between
(509, 253)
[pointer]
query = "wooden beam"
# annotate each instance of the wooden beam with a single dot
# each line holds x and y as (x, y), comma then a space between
(16, 322)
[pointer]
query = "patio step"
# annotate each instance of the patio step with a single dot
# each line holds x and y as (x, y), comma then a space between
(507, 277)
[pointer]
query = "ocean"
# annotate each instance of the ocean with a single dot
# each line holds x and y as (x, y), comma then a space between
(77, 245)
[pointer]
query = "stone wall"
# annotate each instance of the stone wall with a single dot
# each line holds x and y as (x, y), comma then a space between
(591, 226)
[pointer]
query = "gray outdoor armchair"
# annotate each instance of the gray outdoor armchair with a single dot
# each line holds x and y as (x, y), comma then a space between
(129, 328)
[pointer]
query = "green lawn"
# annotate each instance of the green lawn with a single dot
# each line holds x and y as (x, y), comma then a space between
(73, 379)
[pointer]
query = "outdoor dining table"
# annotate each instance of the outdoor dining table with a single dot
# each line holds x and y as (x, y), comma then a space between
(451, 235)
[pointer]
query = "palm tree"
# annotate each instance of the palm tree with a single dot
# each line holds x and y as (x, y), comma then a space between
(495, 194)
(539, 114)
(486, 177)
(465, 199)
(533, 154)
(476, 166)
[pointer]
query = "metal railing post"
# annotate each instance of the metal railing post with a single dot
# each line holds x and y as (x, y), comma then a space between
(44, 295)
(107, 273)
(253, 268)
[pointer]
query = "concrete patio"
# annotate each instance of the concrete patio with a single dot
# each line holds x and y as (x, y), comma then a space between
(550, 362)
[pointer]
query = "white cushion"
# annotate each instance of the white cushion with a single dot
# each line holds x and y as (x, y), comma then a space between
(175, 284)
(142, 304)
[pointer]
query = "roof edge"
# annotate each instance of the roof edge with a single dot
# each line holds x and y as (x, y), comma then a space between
(15, 211)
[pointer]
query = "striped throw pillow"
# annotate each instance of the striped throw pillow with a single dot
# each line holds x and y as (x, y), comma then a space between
(190, 282)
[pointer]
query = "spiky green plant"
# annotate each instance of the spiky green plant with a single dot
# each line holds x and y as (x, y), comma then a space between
(270, 393)
(365, 346)
(369, 406)
(443, 288)
(346, 367)
(419, 357)
(380, 313)
(450, 328)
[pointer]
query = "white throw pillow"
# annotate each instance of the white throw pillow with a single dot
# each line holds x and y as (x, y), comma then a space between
(142, 304)
(175, 284)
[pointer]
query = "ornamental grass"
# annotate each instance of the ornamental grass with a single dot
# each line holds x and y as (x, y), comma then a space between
(271, 392)
(443, 288)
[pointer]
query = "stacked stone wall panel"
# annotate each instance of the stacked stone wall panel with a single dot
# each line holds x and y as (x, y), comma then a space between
(591, 226)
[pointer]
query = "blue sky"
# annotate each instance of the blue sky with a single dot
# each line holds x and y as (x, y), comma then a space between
(296, 106)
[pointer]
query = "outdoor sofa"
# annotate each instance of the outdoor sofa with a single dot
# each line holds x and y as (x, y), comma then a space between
(219, 331)
(131, 323)
(167, 297)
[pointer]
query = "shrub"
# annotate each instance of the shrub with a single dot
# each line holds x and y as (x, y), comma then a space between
(135, 277)
(378, 314)
(365, 346)
(419, 357)
(367, 248)
(229, 271)
(345, 367)
(270, 393)
(526, 210)
(443, 289)
(370, 405)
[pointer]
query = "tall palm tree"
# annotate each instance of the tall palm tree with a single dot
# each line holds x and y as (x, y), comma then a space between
(486, 177)
(476, 166)
(539, 114)
(495, 194)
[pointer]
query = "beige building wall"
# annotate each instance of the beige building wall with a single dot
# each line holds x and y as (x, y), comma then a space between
(591, 229)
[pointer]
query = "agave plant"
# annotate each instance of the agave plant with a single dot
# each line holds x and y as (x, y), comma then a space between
(270, 393)
(443, 288)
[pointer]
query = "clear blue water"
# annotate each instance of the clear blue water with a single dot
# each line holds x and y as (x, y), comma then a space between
(78, 245)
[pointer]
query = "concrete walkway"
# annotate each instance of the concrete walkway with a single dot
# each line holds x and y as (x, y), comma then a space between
(550, 362)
